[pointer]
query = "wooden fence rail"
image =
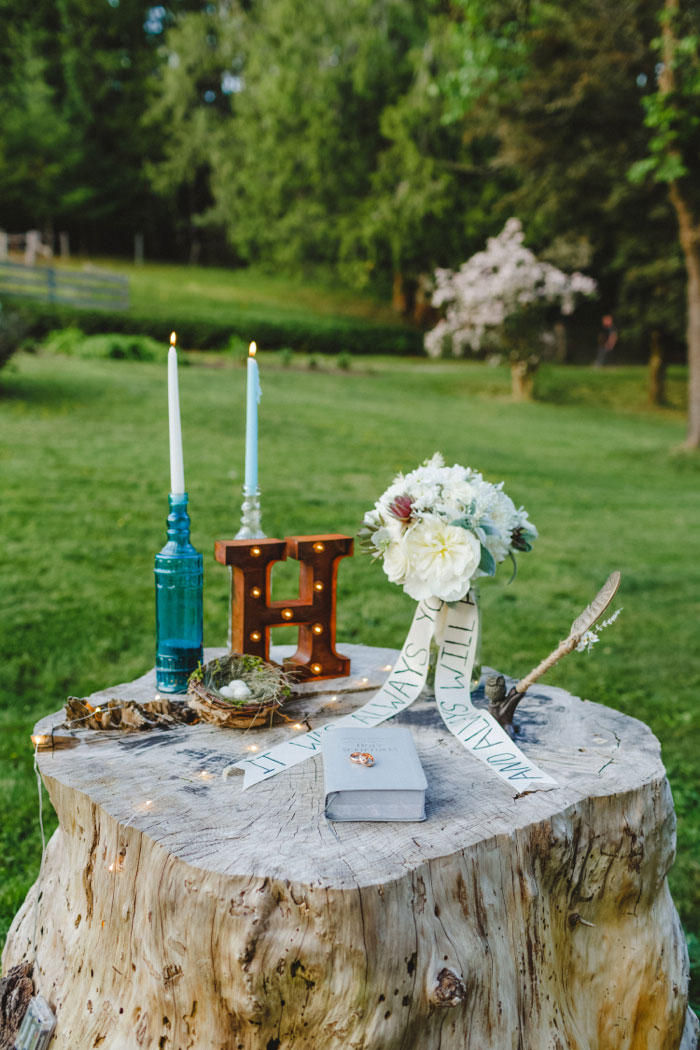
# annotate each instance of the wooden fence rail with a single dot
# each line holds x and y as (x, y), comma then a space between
(98, 291)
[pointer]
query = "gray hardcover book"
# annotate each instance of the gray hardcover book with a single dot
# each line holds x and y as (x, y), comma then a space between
(392, 787)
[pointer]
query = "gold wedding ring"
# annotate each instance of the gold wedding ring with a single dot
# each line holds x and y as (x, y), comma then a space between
(362, 758)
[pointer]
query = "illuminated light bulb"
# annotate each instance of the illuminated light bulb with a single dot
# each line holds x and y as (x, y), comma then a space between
(255, 636)
(287, 614)
(316, 668)
(317, 628)
(252, 747)
(255, 552)
(319, 547)
(255, 592)
(318, 586)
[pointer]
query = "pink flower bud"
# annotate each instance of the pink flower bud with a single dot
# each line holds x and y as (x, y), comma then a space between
(402, 508)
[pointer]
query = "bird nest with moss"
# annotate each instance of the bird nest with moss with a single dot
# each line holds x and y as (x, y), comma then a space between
(239, 690)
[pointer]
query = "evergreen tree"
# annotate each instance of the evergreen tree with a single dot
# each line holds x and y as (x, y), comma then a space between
(35, 140)
(307, 129)
(278, 104)
(73, 145)
(192, 111)
(562, 86)
(433, 198)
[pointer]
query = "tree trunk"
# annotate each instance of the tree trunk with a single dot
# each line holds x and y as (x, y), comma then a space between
(689, 234)
(16, 991)
(398, 294)
(424, 313)
(178, 912)
(657, 372)
(522, 375)
(561, 344)
(195, 250)
(693, 435)
(690, 243)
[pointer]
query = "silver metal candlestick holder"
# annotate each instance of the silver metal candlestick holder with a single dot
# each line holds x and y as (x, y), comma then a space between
(251, 527)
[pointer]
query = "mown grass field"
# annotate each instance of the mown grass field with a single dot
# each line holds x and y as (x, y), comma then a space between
(216, 292)
(84, 471)
(210, 304)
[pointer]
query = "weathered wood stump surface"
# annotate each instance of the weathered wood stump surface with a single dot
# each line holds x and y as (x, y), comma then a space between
(178, 912)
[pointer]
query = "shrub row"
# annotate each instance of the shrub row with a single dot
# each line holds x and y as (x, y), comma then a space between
(13, 330)
(117, 346)
(315, 335)
(325, 335)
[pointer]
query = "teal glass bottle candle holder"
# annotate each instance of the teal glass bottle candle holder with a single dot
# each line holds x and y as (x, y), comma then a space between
(179, 576)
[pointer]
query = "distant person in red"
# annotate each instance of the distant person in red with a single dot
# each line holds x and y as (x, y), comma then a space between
(607, 339)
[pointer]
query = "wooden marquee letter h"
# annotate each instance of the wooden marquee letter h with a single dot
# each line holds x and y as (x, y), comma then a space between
(253, 613)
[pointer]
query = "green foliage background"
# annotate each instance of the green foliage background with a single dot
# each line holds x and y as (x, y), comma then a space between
(375, 139)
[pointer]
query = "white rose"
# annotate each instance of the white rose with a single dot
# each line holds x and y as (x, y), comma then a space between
(397, 561)
(443, 558)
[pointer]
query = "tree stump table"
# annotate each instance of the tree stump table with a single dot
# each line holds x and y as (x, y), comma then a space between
(177, 911)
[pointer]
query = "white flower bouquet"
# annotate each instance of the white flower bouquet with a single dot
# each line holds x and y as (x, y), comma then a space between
(440, 528)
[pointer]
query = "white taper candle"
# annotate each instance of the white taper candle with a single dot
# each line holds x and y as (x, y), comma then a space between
(177, 469)
(254, 393)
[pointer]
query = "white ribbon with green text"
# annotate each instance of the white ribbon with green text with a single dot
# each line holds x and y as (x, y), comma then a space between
(455, 628)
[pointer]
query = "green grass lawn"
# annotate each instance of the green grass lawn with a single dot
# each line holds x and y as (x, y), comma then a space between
(209, 302)
(84, 468)
(201, 291)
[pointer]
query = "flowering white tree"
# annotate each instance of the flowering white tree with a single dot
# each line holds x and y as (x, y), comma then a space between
(500, 298)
